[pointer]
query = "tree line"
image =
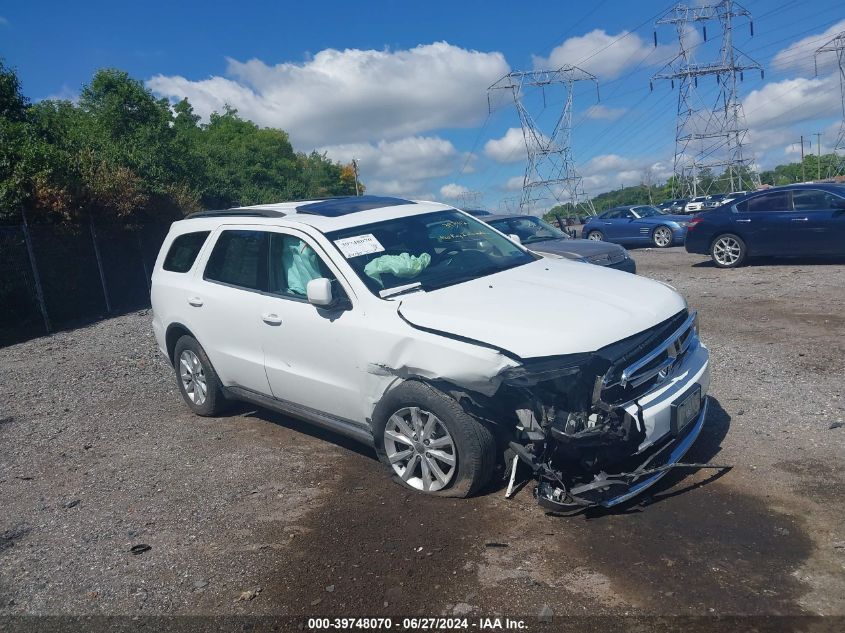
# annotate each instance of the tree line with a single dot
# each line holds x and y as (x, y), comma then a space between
(120, 154)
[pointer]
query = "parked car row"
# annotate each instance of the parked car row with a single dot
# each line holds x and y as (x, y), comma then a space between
(795, 220)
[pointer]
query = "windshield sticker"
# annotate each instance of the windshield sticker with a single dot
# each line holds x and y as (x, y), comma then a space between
(359, 245)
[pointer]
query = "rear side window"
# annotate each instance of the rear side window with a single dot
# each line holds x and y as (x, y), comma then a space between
(774, 201)
(239, 259)
(183, 252)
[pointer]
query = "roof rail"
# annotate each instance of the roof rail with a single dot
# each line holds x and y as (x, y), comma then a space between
(234, 213)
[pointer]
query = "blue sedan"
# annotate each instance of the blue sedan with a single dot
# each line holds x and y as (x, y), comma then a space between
(637, 225)
(796, 220)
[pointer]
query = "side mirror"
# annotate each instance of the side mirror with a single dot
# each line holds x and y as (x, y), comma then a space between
(319, 292)
(513, 237)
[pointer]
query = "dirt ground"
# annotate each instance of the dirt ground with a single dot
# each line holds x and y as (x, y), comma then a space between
(98, 454)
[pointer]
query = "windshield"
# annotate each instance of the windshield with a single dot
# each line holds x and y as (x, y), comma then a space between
(426, 251)
(529, 229)
(647, 212)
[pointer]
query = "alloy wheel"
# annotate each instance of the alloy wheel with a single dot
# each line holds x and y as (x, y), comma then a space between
(420, 449)
(662, 236)
(193, 377)
(595, 236)
(727, 251)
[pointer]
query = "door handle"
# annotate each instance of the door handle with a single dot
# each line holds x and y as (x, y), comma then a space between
(799, 219)
(608, 223)
(743, 220)
(195, 301)
(271, 319)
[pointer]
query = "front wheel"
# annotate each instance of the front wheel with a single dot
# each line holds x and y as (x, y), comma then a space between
(430, 443)
(662, 237)
(596, 236)
(728, 251)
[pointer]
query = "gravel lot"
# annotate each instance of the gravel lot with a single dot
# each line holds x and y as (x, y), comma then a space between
(259, 514)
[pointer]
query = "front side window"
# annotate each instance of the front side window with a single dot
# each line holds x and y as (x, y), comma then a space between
(815, 200)
(432, 250)
(183, 252)
(774, 201)
(239, 259)
(530, 229)
(293, 263)
(647, 212)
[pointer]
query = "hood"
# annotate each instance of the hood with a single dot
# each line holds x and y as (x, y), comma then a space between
(545, 308)
(574, 249)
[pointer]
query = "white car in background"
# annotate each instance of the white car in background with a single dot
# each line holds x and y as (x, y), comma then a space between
(695, 204)
(427, 334)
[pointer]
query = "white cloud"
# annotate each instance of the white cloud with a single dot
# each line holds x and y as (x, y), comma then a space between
(350, 96)
(453, 190)
(789, 101)
(599, 111)
(65, 94)
(508, 149)
(601, 53)
(799, 55)
(403, 166)
(514, 183)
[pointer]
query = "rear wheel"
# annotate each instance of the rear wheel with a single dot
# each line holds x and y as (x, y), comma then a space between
(596, 236)
(662, 237)
(431, 444)
(198, 382)
(728, 251)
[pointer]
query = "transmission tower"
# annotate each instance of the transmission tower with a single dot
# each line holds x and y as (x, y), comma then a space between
(510, 204)
(837, 45)
(469, 199)
(550, 173)
(708, 138)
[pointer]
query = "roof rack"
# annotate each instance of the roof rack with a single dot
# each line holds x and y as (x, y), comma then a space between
(234, 213)
(335, 207)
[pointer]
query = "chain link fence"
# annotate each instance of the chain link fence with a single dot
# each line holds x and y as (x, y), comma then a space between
(57, 276)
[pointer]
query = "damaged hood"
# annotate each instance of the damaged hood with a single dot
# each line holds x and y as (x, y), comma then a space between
(545, 308)
(574, 248)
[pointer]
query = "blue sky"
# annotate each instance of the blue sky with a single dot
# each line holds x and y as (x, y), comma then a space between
(402, 85)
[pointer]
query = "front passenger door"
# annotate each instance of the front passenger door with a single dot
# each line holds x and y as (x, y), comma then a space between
(820, 221)
(312, 354)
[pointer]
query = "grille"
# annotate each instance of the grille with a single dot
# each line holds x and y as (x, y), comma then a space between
(654, 366)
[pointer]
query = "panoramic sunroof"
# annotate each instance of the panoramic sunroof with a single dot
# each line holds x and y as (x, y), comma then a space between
(336, 207)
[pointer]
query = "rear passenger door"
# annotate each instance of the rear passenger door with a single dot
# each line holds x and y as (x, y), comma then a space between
(225, 306)
(820, 221)
(764, 222)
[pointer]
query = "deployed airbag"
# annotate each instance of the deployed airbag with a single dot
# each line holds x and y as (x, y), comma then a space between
(404, 266)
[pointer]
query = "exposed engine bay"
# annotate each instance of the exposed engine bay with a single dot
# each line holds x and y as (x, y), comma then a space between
(578, 425)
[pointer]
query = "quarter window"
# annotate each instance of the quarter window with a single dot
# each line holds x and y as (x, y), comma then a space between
(183, 252)
(239, 258)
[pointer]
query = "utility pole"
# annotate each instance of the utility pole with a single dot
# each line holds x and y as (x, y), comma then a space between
(818, 136)
(355, 169)
(837, 45)
(709, 136)
(550, 173)
(803, 174)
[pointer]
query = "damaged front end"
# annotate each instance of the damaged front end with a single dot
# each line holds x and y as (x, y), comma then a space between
(599, 428)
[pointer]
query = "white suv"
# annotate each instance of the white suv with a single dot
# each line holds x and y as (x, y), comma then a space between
(429, 335)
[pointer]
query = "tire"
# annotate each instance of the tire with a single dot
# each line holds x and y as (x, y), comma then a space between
(728, 251)
(471, 445)
(596, 236)
(190, 357)
(662, 237)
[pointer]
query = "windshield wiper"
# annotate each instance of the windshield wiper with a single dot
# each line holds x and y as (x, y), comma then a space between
(398, 290)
